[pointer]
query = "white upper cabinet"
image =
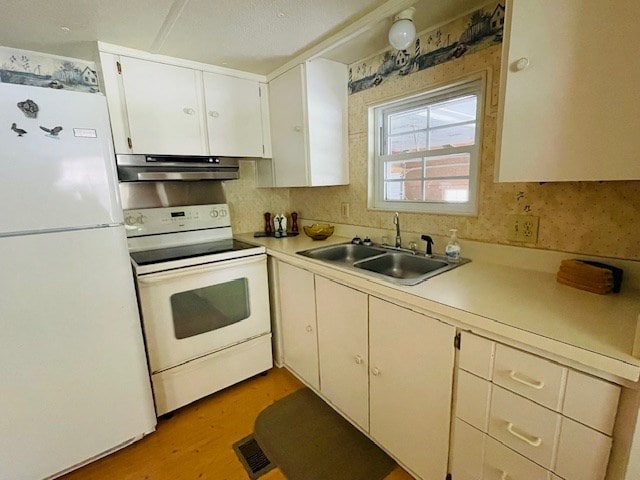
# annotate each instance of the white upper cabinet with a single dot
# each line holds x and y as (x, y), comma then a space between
(569, 99)
(164, 109)
(234, 116)
(308, 118)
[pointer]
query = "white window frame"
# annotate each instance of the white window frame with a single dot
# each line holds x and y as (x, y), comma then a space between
(475, 84)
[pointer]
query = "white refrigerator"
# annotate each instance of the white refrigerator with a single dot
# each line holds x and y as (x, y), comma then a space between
(74, 383)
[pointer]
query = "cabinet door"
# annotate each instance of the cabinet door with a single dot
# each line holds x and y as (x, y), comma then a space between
(569, 96)
(164, 108)
(327, 122)
(298, 317)
(343, 347)
(467, 451)
(288, 128)
(583, 453)
(411, 365)
(234, 115)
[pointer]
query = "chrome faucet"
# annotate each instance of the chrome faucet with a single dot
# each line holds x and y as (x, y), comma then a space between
(396, 222)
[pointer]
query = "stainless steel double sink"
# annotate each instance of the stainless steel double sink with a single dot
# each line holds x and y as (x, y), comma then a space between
(398, 267)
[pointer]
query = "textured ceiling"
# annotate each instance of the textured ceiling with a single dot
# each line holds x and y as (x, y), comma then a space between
(256, 36)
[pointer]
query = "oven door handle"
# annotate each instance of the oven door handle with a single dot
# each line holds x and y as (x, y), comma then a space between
(208, 267)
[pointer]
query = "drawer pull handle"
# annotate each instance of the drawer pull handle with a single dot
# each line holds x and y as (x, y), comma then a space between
(530, 439)
(515, 376)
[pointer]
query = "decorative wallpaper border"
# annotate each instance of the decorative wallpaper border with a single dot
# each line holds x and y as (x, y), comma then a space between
(465, 35)
(36, 69)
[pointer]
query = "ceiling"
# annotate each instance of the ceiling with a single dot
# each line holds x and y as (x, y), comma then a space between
(258, 36)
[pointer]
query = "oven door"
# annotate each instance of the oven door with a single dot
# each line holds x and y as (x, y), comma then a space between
(193, 311)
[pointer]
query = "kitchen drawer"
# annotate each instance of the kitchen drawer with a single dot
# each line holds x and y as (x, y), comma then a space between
(591, 401)
(583, 453)
(533, 377)
(477, 355)
(502, 463)
(467, 451)
(472, 400)
(524, 426)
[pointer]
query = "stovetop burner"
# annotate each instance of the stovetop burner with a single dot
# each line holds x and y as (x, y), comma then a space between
(148, 257)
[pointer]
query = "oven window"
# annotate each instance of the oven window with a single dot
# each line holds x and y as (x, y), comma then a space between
(210, 308)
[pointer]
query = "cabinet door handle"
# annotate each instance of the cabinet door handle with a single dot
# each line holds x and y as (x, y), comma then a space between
(188, 111)
(297, 128)
(358, 360)
(375, 372)
(517, 377)
(213, 114)
(525, 437)
(504, 476)
(309, 329)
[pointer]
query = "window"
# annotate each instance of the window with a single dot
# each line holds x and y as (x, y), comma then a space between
(425, 154)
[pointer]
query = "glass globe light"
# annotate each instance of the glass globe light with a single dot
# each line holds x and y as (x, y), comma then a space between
(402, 33)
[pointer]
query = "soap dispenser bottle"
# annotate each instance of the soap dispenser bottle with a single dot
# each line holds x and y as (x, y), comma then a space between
(452, 249)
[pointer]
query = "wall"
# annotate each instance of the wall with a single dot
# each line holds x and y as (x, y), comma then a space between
(248, 203)
(595, 218)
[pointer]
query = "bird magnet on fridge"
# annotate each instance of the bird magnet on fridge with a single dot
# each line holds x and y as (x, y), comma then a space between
(19, 131)
(29, 108)
(53, 132)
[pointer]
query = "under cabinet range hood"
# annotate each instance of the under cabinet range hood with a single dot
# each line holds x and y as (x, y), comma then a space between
(157, 168)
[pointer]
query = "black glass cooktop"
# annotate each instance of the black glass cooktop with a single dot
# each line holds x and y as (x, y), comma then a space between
(149, 257)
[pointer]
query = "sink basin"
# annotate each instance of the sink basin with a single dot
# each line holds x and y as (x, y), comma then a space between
(406, 269)
(343, 253)
(396, 267)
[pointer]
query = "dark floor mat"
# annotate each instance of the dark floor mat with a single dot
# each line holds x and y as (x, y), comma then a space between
(308, 440)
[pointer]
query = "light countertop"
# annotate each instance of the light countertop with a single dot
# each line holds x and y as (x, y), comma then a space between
(514, 304)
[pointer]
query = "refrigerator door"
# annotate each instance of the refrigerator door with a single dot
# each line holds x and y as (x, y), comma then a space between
(73, 371)
(58, 180)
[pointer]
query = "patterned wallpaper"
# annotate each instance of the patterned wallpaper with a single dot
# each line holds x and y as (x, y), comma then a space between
(247, 203)
(597, 218)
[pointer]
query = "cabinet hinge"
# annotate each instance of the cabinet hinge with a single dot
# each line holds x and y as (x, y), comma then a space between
(129, 142)
(456, 341)
(119, 67)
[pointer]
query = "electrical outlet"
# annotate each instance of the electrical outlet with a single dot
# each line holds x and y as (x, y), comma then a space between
(344, 210)
(523, 228)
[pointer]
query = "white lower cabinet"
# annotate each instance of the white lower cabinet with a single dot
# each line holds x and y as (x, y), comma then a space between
(411, 364)
(575, 461)
(298, 322)
(524, 426)
(501, 463)
(467, 451)
(529, 419)
(386, 368)
(343, 349)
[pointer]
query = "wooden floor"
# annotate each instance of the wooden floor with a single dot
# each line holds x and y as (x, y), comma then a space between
(196, 441)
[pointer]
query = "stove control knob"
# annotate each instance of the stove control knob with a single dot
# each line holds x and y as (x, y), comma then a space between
(132, 220)
(223, 213)
(214, 213)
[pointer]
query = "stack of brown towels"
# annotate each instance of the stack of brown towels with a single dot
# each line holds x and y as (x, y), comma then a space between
(590, 276)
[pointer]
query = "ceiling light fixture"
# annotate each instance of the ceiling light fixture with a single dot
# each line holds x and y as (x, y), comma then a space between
(403, 31)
